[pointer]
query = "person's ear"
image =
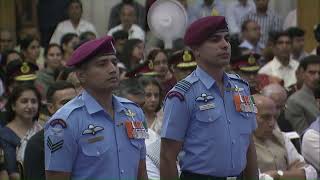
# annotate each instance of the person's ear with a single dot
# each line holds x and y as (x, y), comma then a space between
(51, 108)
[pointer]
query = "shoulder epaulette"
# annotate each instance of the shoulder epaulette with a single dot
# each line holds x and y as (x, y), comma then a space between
(67, 109)
(185, 84)
(238, 78)
(127, 101)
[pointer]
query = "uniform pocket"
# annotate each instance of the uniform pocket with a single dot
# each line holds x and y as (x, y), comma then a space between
(207, 117)
(94, 149)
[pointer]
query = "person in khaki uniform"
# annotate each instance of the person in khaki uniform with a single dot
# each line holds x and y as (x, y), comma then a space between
(276, 155)
(302, 107)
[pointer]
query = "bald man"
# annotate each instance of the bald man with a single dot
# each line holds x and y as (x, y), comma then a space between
(279, 95)
(276, 155)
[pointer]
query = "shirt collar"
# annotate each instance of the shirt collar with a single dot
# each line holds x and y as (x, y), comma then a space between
(207, 80)
(278, 65)
(117, 105)
(93, 106)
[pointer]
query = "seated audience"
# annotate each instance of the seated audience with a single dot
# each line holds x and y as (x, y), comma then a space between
(74, 23)
(302, 107)
(22, 114)
(276, 155)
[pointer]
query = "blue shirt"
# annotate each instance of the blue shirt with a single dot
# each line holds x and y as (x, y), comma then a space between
(215, 136)
(83, 139)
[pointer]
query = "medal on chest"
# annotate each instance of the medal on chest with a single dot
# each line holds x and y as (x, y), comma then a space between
(244, 103)
(135, 129)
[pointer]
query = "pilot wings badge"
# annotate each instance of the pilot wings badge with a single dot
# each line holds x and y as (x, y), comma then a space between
(92, 129)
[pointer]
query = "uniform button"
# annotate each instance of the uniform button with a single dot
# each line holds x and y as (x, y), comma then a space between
(122, 171)
(232, 165)
(247, 114)
(98, 153)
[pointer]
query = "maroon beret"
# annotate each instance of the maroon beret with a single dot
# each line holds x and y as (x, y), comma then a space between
(92, 48)
(201, 29)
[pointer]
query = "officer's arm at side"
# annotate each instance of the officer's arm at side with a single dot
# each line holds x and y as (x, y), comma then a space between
(54, 175)
(168, 157)
(142, 171)
(251, 170)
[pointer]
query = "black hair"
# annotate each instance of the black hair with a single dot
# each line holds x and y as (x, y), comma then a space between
(295, 32)
(25, 42)
(130, 86)
(127, 51)
(14, 96)
(119, 35)
(57, 86)
(306, 61)
(245, 24)
(46, 50)
(276, 35)
(75, 1)
(316, 31)
(67, 38)
(84, 36)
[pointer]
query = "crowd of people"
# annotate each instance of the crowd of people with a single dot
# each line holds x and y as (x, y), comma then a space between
(237, 97)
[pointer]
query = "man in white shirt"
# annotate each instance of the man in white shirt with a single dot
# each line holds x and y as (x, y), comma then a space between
(251, 34)
(75, 24)
(128, 19)
(297, 38)
(236, 11)
(281, 65)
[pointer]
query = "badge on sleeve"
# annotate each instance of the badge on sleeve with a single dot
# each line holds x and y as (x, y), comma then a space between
(176, 94)
(54, 144)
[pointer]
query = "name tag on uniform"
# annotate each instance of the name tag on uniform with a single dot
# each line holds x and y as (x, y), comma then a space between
(207, 106)
(95, 139)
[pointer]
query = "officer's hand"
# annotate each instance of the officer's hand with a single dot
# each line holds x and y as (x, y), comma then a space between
(297, 164)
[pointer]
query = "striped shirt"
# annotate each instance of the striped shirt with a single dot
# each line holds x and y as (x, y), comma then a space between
(269, 22)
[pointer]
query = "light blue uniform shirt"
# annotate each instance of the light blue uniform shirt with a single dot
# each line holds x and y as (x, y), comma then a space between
(215, 136)
(82, 138)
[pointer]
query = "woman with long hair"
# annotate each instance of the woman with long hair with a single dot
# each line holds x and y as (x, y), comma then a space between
(53, 64)
(22, 113)
(152, 102)
(133, 53)
(68, 43)
(158, 60)
(30, 49)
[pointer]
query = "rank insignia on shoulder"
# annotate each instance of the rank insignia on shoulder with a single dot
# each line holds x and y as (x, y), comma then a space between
(204, 98)
(92, 129)
(177, 94)
(60, 122)
(54, 146)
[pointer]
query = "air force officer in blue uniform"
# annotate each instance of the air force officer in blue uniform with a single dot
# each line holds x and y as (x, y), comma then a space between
(96, 135)
(209, 116)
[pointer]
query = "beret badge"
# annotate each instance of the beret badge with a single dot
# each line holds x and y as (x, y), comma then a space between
(24, 68)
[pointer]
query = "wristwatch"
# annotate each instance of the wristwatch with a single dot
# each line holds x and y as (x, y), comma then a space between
(280, 174)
